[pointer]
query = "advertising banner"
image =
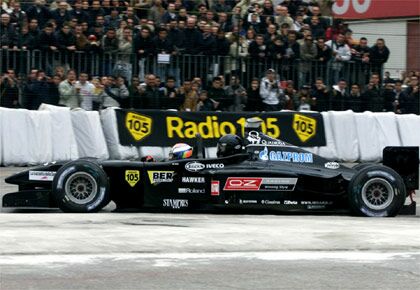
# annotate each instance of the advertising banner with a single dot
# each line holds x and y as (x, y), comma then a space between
(365, 9)
(165, 128)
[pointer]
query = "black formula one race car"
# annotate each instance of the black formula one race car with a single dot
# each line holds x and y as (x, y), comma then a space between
(267, 175)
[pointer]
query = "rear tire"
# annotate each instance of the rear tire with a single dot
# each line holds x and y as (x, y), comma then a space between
(376, 191)
(81, 186)
(361, 166)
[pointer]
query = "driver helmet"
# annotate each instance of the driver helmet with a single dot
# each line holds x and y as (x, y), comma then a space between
(180, 151)
(228, 145)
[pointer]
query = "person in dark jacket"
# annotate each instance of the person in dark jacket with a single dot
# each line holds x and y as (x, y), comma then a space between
(218, 94)
(41, 88)
(258, 51)
(171, 96)
(208, 42)
(204, 103)
(322, 96)
(254, 102)
(61, 15)
(193, 38)
(372, 98)
(53, 92)
(78, 13)
(143, 46)
(65, 39)
(46, 40)
(162, 44)
(39, 12)
(410, 99)
(379, 55)
(9, 91)
(150, 94)
(222, 44)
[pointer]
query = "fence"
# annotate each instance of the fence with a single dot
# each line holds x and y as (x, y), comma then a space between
(183, 67)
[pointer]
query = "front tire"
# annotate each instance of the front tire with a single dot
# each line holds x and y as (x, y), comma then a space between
(81, 186)
(376, 191)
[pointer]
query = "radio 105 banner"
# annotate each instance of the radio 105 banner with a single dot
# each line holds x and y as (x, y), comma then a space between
(165, 128)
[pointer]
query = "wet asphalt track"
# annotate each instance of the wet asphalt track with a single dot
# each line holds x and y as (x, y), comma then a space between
(51, 250)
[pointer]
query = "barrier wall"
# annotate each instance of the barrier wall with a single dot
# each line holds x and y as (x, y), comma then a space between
(59, 134)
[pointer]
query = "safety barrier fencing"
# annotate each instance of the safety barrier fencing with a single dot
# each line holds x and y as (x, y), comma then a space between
(184, 66)
(60, 134)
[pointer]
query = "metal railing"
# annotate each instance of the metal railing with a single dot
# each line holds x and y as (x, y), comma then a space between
(183, 67)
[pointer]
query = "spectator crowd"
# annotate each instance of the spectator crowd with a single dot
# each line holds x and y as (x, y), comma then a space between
(304, 60)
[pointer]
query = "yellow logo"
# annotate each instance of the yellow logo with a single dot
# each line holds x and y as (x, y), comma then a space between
(304, 126)
(139, 126)
(132, 177)
(160, 176)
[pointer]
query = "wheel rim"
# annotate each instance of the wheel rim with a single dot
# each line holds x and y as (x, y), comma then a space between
(377, 194)
(81, 187)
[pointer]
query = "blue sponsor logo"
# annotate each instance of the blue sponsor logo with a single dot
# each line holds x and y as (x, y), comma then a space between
(286, 156)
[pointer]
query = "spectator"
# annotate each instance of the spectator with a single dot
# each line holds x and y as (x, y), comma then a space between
(276, 49)
(171, 94)
(388, 78)
(129, 15)
(29, 93)
(204, 103)
(81, 41)
(156, 12)
(222, 44)
(411, 97)
(67, 89)
(25, 39)
(272, 96)
(255, 23)
(340, 54)
(66, 41)
(271, 33)
(125, 48)
(53, 92)
(170, 14)
(193, 38)
(39, 12)
(258, 51)
(308, 52)
(18, 17)
(237, 93)
(253, 101)
(61, 14)
(85, 91)
(304, 100)
(218, 94)
(208, 42)
(221, 6)
(190, 97)
(323, 56)
(8, 36)
(316, 13)
(47, 40)
(95, 11)
(9, 91)
(321, 95)
(78, 13)
(372, 98)
(361, 55)
(317, 28)
(113, 20)
(355, 99)
(119, 92)
(143, 45)
(379, 55)
(224, 23)
(33, 28)
(340, 96)
(150, 94)
(41, 89)
(282, 16)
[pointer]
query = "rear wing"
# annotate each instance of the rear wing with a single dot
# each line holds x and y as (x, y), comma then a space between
(405, 161)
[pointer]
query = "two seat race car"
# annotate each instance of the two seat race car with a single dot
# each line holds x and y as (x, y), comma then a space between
(269, 174)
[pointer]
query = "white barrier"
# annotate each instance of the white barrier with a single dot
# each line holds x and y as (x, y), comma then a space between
(116, 150)
(56, 133)
(89, 135)
(64, 141)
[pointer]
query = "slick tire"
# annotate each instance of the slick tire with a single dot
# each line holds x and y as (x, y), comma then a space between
(81, 186)
(376, 191)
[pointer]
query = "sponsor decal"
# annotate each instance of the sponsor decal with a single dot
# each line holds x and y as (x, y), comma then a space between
(195, 166)
(247, 201)
(215, 188)
(194, 179)
(139, 126)
(191, 190)
(175, 203)
(332, 165)
(271, 202)
(132, 177)
(41, 175)
(286, 156)
(304, 127)
(290, 202)
(255, 139)
(316, 202)
(260, 183)
(160, 176)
